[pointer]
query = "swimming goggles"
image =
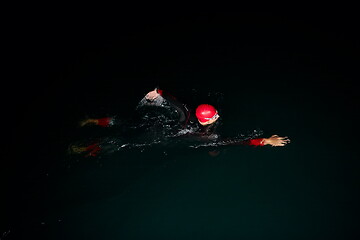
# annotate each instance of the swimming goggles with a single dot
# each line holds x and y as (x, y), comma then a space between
(213, 117)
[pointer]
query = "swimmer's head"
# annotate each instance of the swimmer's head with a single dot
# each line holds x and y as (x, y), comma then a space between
(206, 114)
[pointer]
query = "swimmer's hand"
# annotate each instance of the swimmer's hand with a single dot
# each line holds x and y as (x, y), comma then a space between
(276, 141)
(152, 95)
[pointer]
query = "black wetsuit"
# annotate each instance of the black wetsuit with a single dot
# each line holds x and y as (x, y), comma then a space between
(207, 134)
(165, 120)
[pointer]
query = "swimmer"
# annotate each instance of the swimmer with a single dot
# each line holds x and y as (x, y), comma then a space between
(205, 121)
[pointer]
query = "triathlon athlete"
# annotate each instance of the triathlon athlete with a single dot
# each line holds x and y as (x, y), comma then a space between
(203, 124)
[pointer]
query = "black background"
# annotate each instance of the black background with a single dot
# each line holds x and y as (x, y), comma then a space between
(62, 69)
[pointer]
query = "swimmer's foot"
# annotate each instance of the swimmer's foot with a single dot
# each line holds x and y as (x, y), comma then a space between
(91, 150)
(73, 149)
(88, 121)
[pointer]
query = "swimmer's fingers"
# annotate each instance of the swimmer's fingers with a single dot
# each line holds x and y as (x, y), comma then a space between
(280, 142)
(284, 142)
(279, 145)
(283, 138)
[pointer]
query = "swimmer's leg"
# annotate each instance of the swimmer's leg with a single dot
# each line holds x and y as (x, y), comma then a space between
(91, 150)
(103, 122)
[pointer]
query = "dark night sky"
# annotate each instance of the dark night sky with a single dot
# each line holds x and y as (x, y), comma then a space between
(57, 60)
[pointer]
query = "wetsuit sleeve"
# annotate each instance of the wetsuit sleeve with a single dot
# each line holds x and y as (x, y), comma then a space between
(159, 91)
(180, 108)
(254, 142)
(236, 142)
(250, 142)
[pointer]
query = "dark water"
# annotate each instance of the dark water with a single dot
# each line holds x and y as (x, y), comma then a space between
(282, 75)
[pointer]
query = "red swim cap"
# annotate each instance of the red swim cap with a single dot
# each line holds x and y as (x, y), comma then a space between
(205, 112)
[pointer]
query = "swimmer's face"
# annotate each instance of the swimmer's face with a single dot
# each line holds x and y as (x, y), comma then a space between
(211, 121)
